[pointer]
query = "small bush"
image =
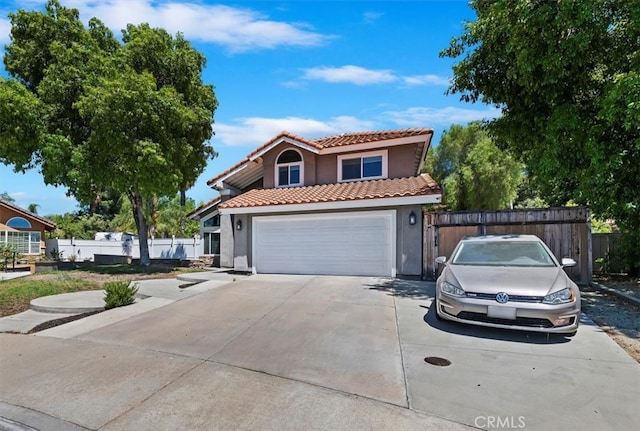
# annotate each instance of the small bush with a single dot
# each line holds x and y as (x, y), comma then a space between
(56, 254)
(119, 294)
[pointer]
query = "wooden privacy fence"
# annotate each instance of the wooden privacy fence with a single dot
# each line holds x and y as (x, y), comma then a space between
(601, 245)
(565, 230)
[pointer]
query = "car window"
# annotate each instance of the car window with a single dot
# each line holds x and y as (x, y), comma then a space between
(502, 253)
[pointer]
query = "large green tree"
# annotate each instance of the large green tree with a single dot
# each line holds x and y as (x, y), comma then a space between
(567, 77)
(97, 116)
(475, 173)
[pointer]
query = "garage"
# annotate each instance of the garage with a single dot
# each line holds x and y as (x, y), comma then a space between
(348, 243)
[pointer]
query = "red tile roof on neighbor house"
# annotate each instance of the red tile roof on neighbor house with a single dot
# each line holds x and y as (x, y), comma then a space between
(330, 142)
(422, 185)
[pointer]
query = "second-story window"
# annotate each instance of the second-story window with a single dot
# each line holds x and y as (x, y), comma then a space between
(363, 166)
(289, 169)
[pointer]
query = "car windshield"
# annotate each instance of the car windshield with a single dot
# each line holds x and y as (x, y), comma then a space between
(502, 253)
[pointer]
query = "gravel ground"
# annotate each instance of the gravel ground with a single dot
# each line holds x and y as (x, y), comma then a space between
(619, 318)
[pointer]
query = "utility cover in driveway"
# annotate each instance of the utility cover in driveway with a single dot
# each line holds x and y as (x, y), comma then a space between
(360, 243)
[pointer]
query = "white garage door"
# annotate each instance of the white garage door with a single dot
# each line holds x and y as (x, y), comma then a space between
(355, 243)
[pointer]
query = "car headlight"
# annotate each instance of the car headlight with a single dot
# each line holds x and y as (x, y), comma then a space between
(450, 289)
(560, 297)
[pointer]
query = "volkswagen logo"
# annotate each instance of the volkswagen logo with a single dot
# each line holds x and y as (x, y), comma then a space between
(502, 298)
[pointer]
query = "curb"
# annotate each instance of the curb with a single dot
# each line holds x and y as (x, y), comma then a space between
(622, 295)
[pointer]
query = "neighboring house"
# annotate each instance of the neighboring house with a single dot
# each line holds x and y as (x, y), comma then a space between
(23, 229)
(347, 204)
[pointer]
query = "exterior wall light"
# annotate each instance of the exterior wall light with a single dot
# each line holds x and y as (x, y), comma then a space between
(412, 218)
(239, 225)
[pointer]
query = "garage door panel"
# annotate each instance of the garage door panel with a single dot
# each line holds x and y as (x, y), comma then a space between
(347, 243)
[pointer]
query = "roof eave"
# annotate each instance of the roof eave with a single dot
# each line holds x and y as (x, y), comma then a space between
(423, 157)
(423, 199)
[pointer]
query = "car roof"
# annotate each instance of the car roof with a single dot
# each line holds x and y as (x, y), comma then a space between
(508, 237)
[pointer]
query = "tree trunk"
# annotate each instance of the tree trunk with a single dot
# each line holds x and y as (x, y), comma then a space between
(141, 223)
(183, 197)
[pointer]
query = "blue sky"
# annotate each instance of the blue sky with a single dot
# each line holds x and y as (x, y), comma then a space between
(313, 68)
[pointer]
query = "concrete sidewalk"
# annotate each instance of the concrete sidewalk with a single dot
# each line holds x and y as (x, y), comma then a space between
(49, 308)
(13, 274)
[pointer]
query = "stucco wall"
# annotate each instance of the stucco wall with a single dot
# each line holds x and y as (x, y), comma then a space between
(242, 252)
(401, 163)
(227, 241)
(409, 237)
(269, 161)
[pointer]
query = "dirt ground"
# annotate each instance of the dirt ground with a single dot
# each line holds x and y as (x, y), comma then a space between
(100, 279)
(619, 318)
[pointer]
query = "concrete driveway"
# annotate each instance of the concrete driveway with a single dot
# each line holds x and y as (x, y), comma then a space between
(303, 352)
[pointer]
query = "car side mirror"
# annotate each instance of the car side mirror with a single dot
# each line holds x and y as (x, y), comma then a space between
(567, 261)
(441, 259)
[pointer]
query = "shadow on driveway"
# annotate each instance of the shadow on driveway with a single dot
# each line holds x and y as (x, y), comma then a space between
(415, 289)
(511, 335)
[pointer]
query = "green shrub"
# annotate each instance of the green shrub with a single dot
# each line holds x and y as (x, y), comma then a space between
(119, 294)
(56, 254)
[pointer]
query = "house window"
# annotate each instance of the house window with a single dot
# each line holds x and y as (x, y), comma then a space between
(212, 222)
(19, 223)
(289, 169)
(363, 166)
(211, 243)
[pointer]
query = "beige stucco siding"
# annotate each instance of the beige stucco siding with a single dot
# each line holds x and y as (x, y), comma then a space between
(269, 162)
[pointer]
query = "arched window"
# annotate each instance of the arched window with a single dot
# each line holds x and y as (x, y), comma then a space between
(289, 169)
(19, 223)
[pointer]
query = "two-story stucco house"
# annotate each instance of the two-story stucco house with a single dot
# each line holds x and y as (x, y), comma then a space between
(347, 204)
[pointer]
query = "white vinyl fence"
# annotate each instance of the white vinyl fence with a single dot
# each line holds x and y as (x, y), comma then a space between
(165, 248)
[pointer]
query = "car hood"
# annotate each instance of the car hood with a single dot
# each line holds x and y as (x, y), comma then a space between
(529, 281)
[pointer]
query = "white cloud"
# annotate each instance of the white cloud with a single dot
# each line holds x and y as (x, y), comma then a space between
(235, 28)
(426, 80)
(258, 130)
(371, 17)
(5, 30)
(351, 74)
(361, 76)
(430, 117)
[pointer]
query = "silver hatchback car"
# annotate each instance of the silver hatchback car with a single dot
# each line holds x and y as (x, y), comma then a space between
(508, 281)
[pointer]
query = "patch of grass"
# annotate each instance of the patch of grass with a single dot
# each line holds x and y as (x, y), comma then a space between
(16, 294)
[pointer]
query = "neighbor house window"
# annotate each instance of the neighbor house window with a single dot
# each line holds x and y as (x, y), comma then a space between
(289, 169)
(19, 223)
(362, 166)
(25, 242)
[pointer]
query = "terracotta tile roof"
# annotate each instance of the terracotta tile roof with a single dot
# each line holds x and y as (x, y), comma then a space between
(282, 135)
(330, 142)
(422, 185)
(365, 137)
